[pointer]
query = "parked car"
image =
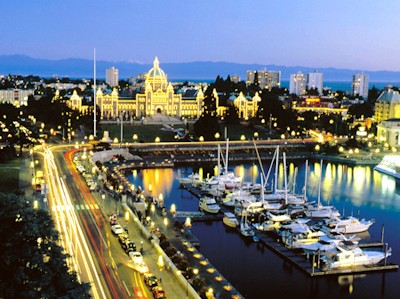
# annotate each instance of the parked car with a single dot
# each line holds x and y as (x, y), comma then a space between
(150, 279)
(129, 246)
(122, 238)
(158, 292)
(117, 229)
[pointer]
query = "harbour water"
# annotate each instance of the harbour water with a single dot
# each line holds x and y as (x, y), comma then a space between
(256, 271)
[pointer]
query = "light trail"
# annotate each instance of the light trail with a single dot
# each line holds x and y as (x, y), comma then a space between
(64, 212)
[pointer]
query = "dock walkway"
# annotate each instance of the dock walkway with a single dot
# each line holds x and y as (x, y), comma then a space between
(311, 265)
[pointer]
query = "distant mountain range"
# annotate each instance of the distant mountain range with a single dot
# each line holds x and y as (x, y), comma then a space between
(200, 70)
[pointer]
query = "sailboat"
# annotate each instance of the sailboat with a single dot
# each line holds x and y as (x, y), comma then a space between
(244, 227)
(321, 211)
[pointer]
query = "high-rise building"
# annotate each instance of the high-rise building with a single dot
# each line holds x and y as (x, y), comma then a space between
(359, 85)
(315, 80)
(265, 79)
(297, 84)
(112, 76)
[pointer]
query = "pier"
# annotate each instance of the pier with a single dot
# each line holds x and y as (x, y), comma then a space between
(311, 264)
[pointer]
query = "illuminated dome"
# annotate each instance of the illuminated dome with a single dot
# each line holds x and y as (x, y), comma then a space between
(156, 77)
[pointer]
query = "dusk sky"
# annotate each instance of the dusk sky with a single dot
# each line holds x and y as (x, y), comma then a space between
(354, 34)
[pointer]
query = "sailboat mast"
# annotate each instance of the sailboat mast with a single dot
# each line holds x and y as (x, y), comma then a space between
(226, 155)
(305, 182)
(276, 169)
(285, 176)
(319, 185)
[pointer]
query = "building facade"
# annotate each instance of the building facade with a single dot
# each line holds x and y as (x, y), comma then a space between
(265, 79)
(15, 96)
(388, 131)
(158, 98)
(112, 76)
(387, 105)
(315, 80)
(359, 85)
(297, 84)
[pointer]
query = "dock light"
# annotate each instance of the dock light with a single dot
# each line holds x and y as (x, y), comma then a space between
(282, 136)
(217, 136)
(35, 204)
(160, 262)
(242, 137)
(210, 293)
(188, 222)
(255, 135)
(173, 209)
(317, 147)
(356, 150)
(165, 222)
(150, 188)
(157, 139)
(126, 216)
(152, 208)
(160, 199)
(195, 271)
(115, 140)
(135, 137)
(201, 138)
(341, 149)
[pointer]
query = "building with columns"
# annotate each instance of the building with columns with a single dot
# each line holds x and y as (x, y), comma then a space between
(158, 98)
(387, 115)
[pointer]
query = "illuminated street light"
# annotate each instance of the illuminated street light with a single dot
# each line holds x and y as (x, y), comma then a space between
(242, 138)
(157, 139)
(173, 209)
(217, 136)
(201, 139)
(135, 137)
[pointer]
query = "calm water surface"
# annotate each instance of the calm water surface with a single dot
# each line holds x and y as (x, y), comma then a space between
(257, 272)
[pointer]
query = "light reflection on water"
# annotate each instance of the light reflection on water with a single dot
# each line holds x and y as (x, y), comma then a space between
(256, 271)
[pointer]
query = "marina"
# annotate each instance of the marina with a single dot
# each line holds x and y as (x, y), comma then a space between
(205, 230)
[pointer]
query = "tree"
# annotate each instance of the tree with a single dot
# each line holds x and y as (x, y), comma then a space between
(32, 264)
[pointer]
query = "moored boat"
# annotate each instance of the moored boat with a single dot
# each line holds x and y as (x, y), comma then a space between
(209, 205)
(230, 220)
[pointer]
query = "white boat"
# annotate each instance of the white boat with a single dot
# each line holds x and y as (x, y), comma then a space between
(296, 240)
(138, 262)
(230, 220)
(209, 205)
(321, 211)
(193, 179)
(326, 243)
(348, 225)
(390, 165)
(278, 217)
(245, 228)
(267, 226)
(297, 226)
(350, 256)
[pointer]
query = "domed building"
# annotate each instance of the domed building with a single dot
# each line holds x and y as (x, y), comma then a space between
(158, 98)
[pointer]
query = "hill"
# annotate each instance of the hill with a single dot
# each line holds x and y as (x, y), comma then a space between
(200, 70)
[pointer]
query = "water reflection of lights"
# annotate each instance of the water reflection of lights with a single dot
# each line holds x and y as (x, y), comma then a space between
(161, 180)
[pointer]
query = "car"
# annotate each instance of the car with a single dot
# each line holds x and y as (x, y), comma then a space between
(113, 219)
(117, 229)
(122, 238)
(129, 246)
(150, 279)
(158, 292)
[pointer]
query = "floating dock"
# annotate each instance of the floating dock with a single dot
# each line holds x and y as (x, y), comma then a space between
(311, 265)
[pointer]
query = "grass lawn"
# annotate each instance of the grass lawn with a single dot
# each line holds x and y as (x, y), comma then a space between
(148, 133)
(145, 133)
(9, 176)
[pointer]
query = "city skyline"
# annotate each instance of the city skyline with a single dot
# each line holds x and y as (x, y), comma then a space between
(340, 35)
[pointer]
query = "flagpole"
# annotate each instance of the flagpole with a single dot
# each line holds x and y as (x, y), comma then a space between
(94, 93)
